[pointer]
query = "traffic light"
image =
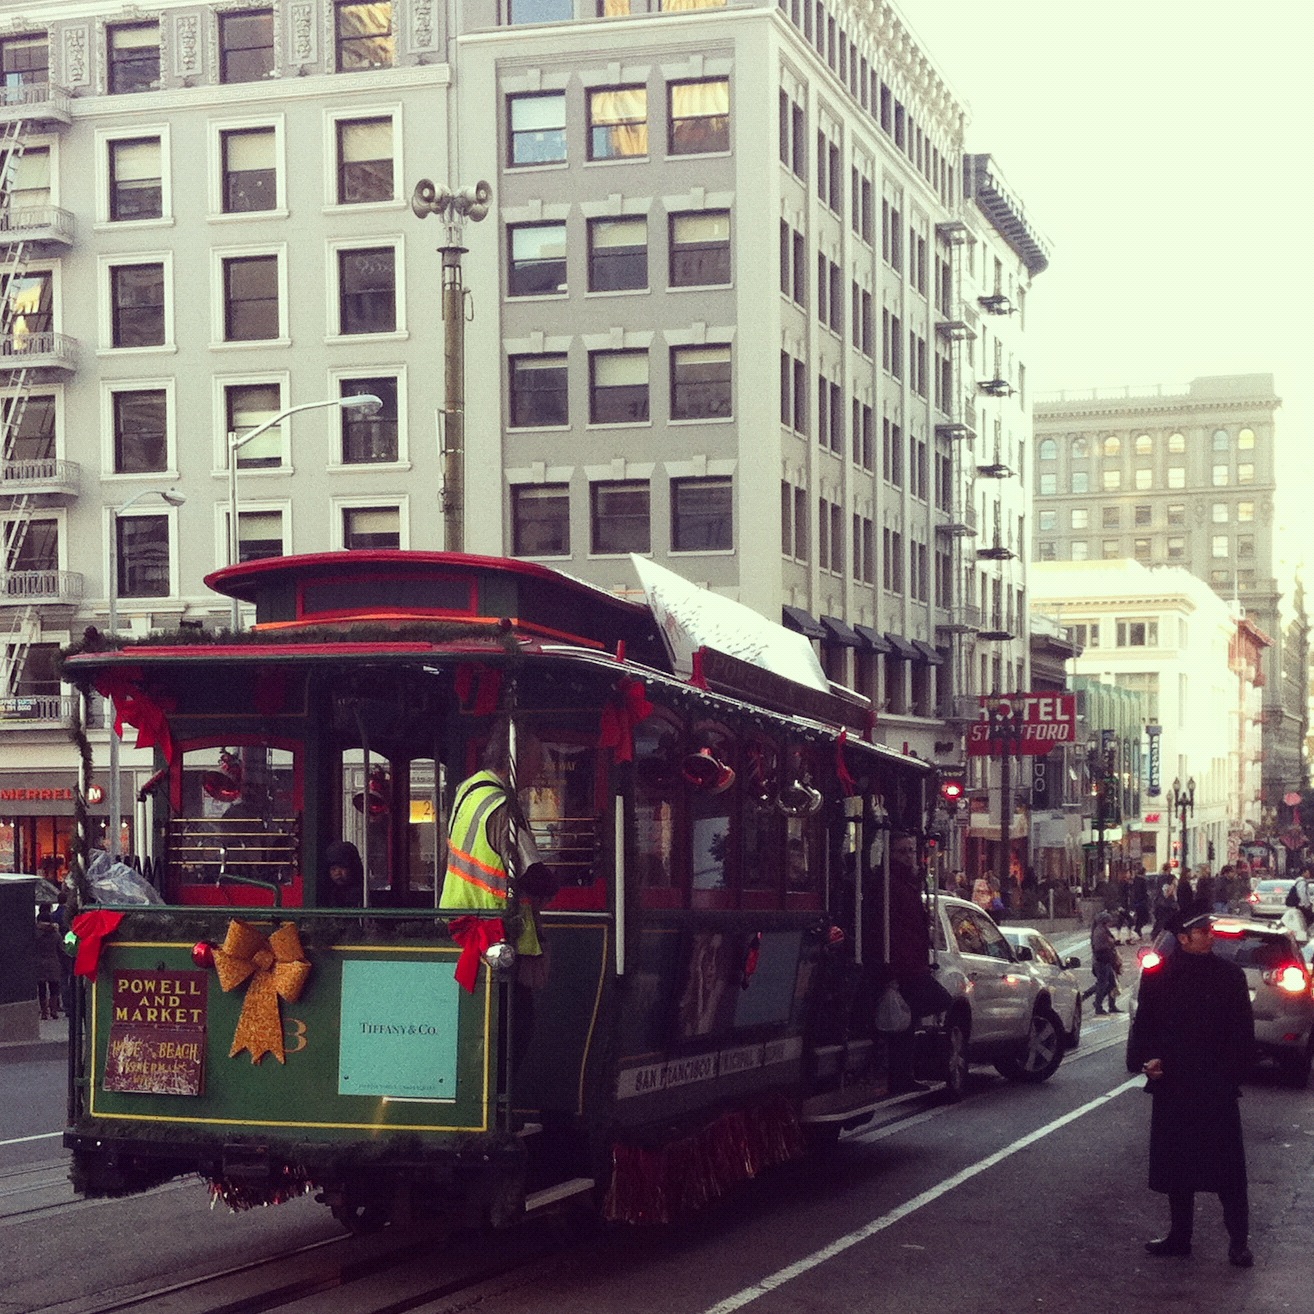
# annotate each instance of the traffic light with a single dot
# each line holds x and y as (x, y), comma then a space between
(951, 790)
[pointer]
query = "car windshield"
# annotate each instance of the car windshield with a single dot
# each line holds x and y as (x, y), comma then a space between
(1249, 950)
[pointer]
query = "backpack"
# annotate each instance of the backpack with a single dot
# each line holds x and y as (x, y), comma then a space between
(1293, 899)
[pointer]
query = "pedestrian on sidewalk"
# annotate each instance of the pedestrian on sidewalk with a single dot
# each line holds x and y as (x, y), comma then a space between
(49, 970)
(1104, 960)
(1193, 1037)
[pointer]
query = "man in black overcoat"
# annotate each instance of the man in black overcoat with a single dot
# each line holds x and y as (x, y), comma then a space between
(1193, 1037)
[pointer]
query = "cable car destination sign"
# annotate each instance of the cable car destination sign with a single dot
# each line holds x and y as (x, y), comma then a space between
(1022, 723)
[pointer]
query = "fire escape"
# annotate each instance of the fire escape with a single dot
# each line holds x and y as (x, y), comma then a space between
(33, 231)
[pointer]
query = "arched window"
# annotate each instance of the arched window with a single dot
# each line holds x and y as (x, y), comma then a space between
(1048, 449)
(1112, 445)
(1144, 444)
(1222, 440)
(1080, 448)
(1245, 440)
(1176, 442)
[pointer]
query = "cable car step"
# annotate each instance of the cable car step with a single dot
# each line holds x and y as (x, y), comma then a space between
(842, 1105)
(561, 1191)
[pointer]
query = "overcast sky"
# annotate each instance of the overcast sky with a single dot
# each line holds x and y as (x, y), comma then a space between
(1164, 149)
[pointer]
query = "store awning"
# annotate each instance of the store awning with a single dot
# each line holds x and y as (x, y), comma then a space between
(928, 653)
(903, 647)
(837, 631)
(795, 618)
(876, 641)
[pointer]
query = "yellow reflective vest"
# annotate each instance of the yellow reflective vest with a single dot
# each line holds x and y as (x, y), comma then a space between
(476, 872)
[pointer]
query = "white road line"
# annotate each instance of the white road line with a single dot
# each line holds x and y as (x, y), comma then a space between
(23, 1140)
(843, 1243)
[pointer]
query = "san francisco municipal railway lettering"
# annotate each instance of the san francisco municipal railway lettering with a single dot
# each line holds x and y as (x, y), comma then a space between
(652, 1078)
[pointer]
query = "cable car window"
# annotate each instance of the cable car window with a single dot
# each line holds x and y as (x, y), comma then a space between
(657, 743)
(800, 801)
(560, 806)
(711, 788)
(426, 845)
(367, 815)
(763, 826)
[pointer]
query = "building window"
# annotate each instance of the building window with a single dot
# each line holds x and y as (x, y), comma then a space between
(250, 173)
(1245, 473)
(246, 46)
(699, 117)
(259, 535)
(1138, 634)
(364, 36)
(538, 391)
(137, 299)
(1048, 450)
(1112, 445)
(1111, 517)
(251, 298)
(1144, 478)
(1143, 514)
(619, 517)
(1111, 479)
(371, 528)
(1176, 514)
(1080, 447)
(141, 432)
(370, 439)
(540, 11)
(1110, 549)
(1080, 517)
(618, 254)
(30, 422)
(700, 250)
(1222, 441)
(1221, 476)
(702, 515)
(618, 387)
(1045, 550)
(1176, 476)
(540, 520)
(1080, 550)
(1080, 481)
(25, 61)
(367, 290)
(1047, 520)
(1048, 484)
(1245, 440)
(134, 58)
(142, 549)
(29, 186)
(536, 264)
(536, 129)
(1219, 513)
(1176, 548)
(1220, 546)
(1176, 442)
(1245, 547)
(27, 312)
(1245, 511)
(248, 406)
(700, 383)
(136, 179)
(618, 123)
(1220, 578)
(1144, 444)
(364, 161)
(1140, 549)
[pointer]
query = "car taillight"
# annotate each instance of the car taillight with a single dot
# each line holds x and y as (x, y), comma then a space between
(1150, 959)
(1252, 897)
(1290, 978)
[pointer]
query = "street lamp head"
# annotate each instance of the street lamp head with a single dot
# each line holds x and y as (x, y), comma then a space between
(364, 401)
(1177, 784)
(173, 496)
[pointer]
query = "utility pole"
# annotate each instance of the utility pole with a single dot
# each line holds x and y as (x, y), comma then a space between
(453, 208)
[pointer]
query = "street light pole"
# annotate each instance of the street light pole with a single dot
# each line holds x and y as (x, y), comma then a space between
(366, 402)
(173, 498)
(453, 208)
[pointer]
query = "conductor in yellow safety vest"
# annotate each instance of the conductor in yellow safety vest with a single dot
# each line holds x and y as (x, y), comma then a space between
(479, 850)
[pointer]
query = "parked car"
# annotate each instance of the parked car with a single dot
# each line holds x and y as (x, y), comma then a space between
(1280, 993)
(1001, 1012)
(1056, 975)
(1268, 898)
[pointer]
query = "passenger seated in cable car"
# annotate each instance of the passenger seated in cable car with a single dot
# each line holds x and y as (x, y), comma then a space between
(343, 882)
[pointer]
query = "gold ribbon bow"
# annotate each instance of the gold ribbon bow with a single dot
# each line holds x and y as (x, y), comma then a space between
(276, 967)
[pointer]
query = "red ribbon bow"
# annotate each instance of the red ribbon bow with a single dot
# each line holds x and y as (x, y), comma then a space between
(626, 708)
(475, 935)
(842, 773)
(91, 928)
(134, 706)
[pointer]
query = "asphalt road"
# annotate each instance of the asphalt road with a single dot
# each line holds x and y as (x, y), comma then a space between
(1021, 1198)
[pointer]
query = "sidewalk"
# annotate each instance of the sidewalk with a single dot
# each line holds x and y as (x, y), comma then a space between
(51, 1043)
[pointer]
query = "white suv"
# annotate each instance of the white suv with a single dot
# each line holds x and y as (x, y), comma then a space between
(1000, 1012)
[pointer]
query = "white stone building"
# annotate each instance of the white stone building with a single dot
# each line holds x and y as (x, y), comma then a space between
(742, 302)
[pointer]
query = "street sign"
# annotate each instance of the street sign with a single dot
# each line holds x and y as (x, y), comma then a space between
(1022, 723)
